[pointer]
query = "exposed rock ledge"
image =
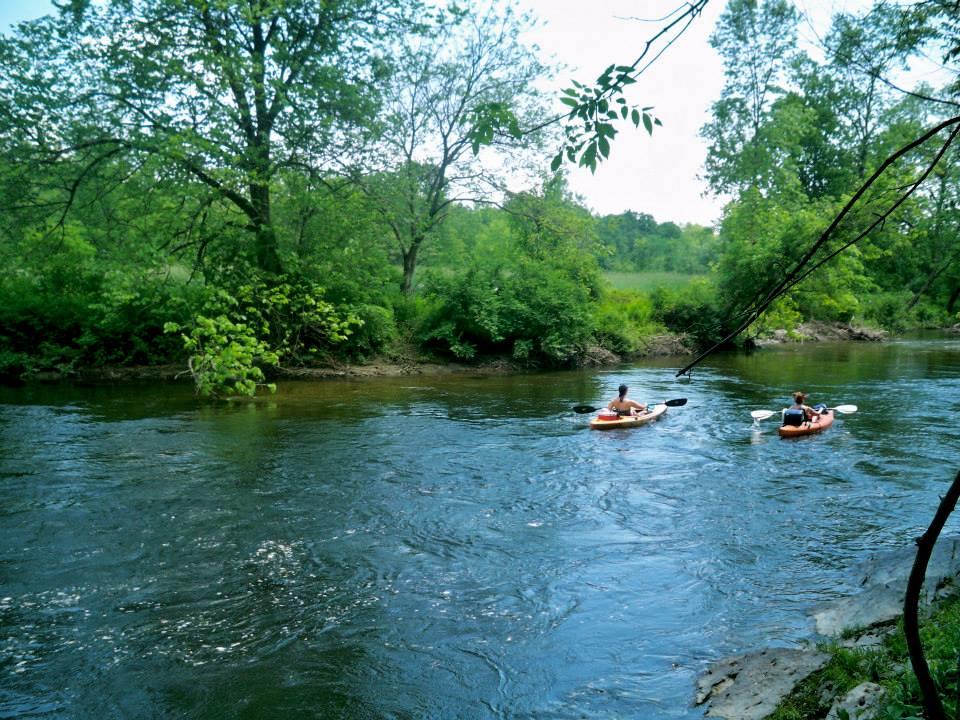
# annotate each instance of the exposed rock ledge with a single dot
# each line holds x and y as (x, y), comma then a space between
(750, 686)
(816, 331)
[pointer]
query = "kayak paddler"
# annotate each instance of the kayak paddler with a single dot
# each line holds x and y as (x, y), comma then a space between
(623, 405)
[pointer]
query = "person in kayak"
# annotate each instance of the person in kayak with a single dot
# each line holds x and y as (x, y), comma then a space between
(800, 411)
(623, 405)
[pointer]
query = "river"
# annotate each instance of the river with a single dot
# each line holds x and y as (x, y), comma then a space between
(447, 547)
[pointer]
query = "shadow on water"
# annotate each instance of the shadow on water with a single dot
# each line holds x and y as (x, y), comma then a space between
(453, 546)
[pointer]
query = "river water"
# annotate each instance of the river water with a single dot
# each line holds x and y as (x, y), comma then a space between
(447, 547)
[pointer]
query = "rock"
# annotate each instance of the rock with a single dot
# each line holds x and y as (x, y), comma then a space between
(749, 687)
(664, 345)
(870, 639)
(821, 331)
(884, 582)
(596, 356)
(861, 703)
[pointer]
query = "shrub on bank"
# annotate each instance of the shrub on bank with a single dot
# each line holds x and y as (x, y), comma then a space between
(622, 320)
(98, 317)
(531, 311)
(695, 310)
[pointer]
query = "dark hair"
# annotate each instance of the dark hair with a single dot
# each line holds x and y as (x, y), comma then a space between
(622, 390)
(799, 396)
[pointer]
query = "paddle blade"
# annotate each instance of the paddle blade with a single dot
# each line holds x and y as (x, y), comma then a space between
(584, 408)
(846, 409)
(675, 403)
(762, 414)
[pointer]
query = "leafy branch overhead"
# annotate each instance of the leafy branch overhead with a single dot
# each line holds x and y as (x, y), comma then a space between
(593, 110)
(589, 124)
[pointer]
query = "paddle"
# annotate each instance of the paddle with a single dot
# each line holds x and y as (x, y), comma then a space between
(669, 403)
(764, 414)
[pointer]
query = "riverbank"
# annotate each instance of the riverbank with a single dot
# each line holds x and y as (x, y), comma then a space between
(857, 659)
(403, 361)
(408, 360)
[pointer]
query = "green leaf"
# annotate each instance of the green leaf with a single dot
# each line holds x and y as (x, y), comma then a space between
(604, 146)
(557, 161)
(589, 157)
(648, 124)
(635, 116)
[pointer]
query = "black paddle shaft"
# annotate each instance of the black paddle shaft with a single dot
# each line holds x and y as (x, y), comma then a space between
(669, 403)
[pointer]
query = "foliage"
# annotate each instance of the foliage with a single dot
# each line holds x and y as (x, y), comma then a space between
(223, 93)
(695, 310)
(623, 321)
(756, 41)
(644, 282)
(258, 324)
(85, 310)
(636, 242)
(425, 153)
(225, 356)
(528, 295)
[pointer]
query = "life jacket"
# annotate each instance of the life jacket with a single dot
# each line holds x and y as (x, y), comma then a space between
(794, 417)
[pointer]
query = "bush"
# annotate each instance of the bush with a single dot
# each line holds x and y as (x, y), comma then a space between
(258, 324)
(623, 319)
(534, 312)
(94, 316)
(886, 310)
(376, 331)
(694, 310)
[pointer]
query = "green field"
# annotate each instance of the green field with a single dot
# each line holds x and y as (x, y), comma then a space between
(648, 281)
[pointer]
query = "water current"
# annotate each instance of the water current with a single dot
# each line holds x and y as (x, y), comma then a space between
(456, 546)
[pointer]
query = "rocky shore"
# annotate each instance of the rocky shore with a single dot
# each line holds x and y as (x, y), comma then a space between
(816, 331)
(752, 685)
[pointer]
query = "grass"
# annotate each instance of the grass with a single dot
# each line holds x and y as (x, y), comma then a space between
(648, 281)
(887, 665)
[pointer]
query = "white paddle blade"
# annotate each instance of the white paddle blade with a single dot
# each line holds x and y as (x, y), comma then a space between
(846, 408)
(762, 414)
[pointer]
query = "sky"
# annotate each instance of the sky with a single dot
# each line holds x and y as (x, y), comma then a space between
(658, 174)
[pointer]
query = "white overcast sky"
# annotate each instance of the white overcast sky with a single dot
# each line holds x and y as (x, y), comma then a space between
(658, 175)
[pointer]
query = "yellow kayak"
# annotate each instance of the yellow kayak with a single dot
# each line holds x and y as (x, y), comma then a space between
(628, 421)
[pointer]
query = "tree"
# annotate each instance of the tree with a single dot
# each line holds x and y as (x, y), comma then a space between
(757, 42)
(226, 92)
(425, 156)
(861, 51)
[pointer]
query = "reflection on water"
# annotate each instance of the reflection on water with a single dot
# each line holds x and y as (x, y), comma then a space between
(455, 546)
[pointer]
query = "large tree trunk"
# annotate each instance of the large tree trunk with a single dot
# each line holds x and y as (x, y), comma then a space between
(409, 267)
(265, 239)
(953, 299)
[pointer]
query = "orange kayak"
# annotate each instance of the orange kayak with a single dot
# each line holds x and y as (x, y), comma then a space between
(627, 421)
(807, 428)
